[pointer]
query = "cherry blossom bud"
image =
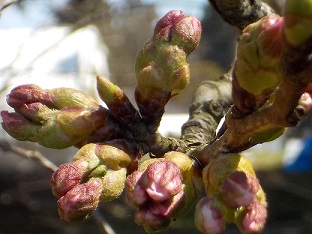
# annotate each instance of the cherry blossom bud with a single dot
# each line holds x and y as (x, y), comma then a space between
(67, 176)
(208, 216)
(113, 184)
(251, 219)
(56, 118)
(256, 71)
(239, 189)
(117, 101)
(219, 169)
(162, 180)
(79, 202)
(55, 98)
(161, 68)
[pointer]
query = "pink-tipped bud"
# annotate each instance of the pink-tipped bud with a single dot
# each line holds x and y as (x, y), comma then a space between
(208, 217)
(162, 180)
(67, 176)
(239, 189)
(79, 202)
(180, 29)
(253, 218)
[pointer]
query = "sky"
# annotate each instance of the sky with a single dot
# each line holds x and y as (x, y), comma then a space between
(38, 12)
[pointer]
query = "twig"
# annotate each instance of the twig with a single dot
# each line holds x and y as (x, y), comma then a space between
(29, 154)
(241, 13)
(5, 3)
(103, 223)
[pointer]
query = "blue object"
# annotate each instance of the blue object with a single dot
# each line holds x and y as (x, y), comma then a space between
(303, 163)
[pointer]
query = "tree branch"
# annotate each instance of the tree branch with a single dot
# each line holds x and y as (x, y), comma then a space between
(241, 13)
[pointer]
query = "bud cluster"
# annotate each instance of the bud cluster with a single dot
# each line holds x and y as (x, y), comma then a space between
(98, 173)
(161, 68)
(163, 189)
(56, 118)
(234, 195)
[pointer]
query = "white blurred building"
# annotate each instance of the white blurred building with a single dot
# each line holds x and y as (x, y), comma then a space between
(52, 57)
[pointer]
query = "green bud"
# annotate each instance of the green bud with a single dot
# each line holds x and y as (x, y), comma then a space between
(215, 173)
(87, 154)
(298, 21)
(256, 71)
(113, 184)
(161, 68)
(117, 101)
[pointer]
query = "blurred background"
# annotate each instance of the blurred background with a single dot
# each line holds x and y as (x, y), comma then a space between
(66, 43)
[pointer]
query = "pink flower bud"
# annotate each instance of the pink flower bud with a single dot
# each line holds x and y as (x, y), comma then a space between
(183, 30)
(162, 180)
(208, 217)
(79, 202)
(67, 176)
(239, 189)
(254, 218)
(56, 118)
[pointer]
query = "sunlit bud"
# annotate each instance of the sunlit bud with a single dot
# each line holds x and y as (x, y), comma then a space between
(55, 98)
(180, 29)
(217, 171)
(256, 71)
(56, 118)
(117, 101)
(252, 219)
(298, 21)
(162, 180)
(192, 181)
(239, 189)
(208, 217)
(161, 67)
(79, 202)
(67, 176)
(113, 184)
(150, 221)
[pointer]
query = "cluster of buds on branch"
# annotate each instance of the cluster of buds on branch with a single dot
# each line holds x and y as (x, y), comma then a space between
(270, 83)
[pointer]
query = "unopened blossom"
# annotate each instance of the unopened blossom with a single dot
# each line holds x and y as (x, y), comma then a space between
(67, 176)
(256, 71)
(251, 219)
(161, 66)
(56, 118)
(79, 202)
(239, 189)
(208, 216)
(162, 180)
